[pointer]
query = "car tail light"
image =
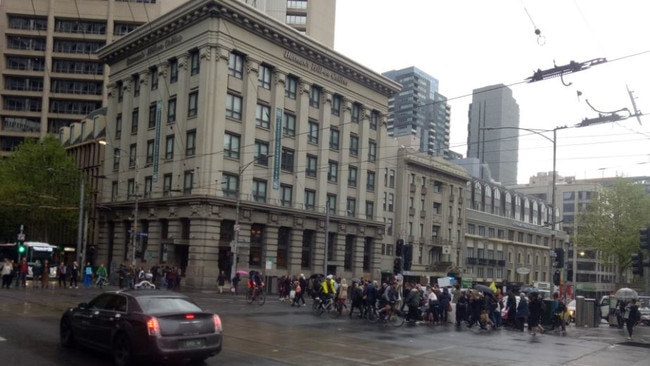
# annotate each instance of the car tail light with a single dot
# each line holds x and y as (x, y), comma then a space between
(217, 323)
(153, 327)
(189, 316)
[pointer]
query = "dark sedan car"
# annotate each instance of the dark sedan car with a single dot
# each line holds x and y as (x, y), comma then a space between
(146, 323)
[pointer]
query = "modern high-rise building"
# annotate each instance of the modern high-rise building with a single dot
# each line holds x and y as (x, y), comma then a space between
(313, 18)
(51, 76)
(420, 111)
(492, 131)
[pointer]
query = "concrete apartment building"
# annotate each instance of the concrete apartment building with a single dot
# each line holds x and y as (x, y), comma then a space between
(51, 74)
(419, 116)
(492, 135)
(222, 122)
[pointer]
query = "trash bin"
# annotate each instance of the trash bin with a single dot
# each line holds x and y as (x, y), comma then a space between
(590, 312)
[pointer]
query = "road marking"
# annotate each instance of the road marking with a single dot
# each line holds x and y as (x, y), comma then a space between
(2, 339)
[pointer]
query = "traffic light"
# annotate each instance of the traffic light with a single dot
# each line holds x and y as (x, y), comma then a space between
(408, 257)
(397, 266)
(569, 275)
(556, 278)
(559, 258)
(21, 247)
(399, 247)
(643, 238)
(637, 263)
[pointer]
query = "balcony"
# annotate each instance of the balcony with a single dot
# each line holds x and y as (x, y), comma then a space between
(471, 260)
(439, 267)
(451, 198)
(482, 261)
(460, 221)
(412, 188)
(423, 190)
(411, 211)
(460, 200)
(451, 219)
(423, 214)
(501, 263)
(492, 262)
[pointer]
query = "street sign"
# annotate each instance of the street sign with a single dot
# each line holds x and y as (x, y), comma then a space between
(237, 227)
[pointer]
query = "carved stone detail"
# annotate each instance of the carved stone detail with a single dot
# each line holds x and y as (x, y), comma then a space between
(205, 53)
(183, 60)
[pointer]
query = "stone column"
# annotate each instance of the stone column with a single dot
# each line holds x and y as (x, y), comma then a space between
(270, 250)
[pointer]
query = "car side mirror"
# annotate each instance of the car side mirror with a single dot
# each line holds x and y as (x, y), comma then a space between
(83, 306)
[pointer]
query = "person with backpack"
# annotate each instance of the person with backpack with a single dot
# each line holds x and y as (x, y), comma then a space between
(558, 308)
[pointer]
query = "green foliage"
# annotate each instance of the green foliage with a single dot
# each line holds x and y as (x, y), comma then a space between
(612, 221)
(40, 190)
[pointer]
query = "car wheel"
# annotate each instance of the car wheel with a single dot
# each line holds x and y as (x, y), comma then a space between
(122, 354)
(66, 336)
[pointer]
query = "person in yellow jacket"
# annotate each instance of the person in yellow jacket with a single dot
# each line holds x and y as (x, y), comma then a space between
(327, 287)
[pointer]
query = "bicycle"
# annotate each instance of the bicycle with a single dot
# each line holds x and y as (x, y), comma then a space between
(370, 313)
(394, 317)
(256, 294)
(102, 281)
(319, 306)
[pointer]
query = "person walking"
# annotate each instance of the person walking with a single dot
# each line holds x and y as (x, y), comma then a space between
(45, 274)
(74, 273)
(535, 309)
(631, 317)
(23, 271)
(221, 281)
(61, 271)
(88, 275)
(558, 309)
(6, 269)
(235, 284)
(102, 275)
(522, 311)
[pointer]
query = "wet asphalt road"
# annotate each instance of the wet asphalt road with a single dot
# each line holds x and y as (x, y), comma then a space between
(277, 334)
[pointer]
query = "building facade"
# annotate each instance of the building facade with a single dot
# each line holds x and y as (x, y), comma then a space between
(507, 240)
(313, 18)
(51, 74)
(227, 129)
(424, 201)
(492, 135)
(419, 110)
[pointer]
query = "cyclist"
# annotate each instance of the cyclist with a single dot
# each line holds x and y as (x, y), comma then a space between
(327, 290)
(254, 282)
(389, 298)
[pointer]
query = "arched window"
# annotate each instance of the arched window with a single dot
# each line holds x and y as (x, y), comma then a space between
(498, 202)
(488, 199)
(508, 205)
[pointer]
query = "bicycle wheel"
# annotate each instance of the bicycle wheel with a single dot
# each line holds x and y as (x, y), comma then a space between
(396, 319)
(314, 307)
(249, 297)
(335, 310)
(261, 298)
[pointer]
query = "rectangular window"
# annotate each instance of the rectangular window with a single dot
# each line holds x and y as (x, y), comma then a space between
(114, 191)
(334, 139)
(116, 159)
(120, 91)
(259, 190)
(188, 182)
(354, 145)
(136, 85)
(229, 185)
(391, 199)
(289, 125)
(286, 194)
(313, 132)
(370, 210)
(171, 110)
(370, 184)
(332, 171)
(310, 199)
(133, 151)
(118, 126)
(154, 78)
(134, 121)
(173, 71)
(195, 65)
(231, 146)
(374, 119)
(336, 105)
(264, 77)
(233, 106)
(169, 147)
(167, 184)
(356, 112)
(190, 144)
(372, 151)
(331, 203)
(262, 116)
(287, 162)
(312, 165)
(235, 65)
(290, 87)
(261, 153)
(314, 96)
(351, 207)
(352, 176)
(152, 115)
(149, 152)
(192, 104)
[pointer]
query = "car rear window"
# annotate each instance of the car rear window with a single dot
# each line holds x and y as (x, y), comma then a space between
(161, 305)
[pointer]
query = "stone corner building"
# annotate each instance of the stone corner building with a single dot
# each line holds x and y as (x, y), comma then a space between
(214, 101)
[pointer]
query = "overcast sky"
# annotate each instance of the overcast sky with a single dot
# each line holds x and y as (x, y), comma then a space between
(468, 44)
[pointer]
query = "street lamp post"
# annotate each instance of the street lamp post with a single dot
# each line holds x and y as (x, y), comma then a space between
(235, 243)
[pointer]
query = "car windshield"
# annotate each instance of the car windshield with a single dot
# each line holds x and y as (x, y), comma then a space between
(161, 305)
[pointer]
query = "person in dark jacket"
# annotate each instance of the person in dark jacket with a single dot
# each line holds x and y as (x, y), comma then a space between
(522, 311)
(511, 305)
(535, 309)
(412, 300)
(631, 316)
(461, 308)
(444, 299)
(356, 298)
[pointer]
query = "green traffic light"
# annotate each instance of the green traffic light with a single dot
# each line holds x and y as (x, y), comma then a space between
(21, 249)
